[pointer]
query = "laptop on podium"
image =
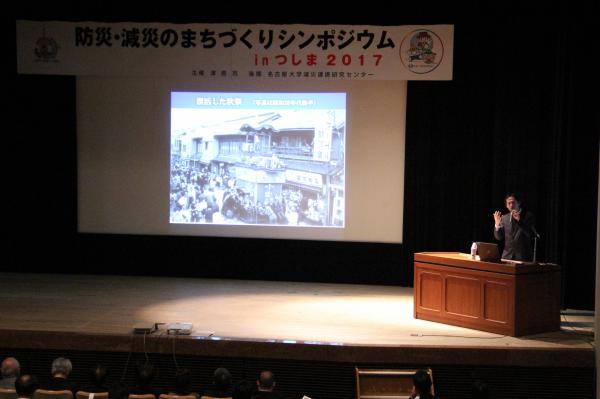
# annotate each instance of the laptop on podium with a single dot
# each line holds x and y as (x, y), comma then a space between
(488, 252)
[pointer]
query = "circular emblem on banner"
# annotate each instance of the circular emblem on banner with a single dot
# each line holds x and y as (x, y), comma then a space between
(421, 51)
(46, 48)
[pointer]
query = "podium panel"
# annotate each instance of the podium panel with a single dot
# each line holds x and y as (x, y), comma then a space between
(505, 298)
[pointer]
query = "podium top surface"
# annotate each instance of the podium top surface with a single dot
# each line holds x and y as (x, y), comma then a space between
(463, 260)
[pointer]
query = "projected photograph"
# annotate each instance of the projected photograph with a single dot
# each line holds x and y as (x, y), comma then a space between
(273, 159)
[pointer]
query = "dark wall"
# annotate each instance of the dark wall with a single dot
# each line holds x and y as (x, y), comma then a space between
(517, 116)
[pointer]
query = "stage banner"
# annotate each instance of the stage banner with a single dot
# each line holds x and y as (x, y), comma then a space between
(236, 51)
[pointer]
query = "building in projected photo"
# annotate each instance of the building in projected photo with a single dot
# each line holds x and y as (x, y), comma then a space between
(278, 167)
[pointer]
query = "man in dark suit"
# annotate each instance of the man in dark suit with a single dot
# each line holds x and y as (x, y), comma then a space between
(266, 386)
(25, 386)
(222, 386)
(10, 370)
(516, 228)
(61, 369)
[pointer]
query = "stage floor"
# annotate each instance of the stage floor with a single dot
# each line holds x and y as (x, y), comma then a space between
(252, 311)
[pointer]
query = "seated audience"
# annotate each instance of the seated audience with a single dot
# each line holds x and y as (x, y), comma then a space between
(97, 382)
(25, 386)
(266, 386)
(183, 384)
(10, 370)
(421, 385)
(61, 369)
(144, 380)
(222, 386)
(243, 390)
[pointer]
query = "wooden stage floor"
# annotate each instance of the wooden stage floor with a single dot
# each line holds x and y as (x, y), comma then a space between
(333, 322)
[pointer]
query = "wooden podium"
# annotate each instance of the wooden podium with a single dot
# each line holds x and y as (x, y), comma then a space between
(505, 298)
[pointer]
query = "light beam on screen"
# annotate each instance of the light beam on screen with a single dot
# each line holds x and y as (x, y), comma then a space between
(270, 159)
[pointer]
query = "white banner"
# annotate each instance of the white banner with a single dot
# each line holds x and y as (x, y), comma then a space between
(236, 51)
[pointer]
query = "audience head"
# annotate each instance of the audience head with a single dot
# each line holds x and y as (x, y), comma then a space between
(145, 374)
(61, 367)
(422, 382)
(266, 381)
(98, 375)
(10, 368)
(222, 378)
(480, 390)
(25, 386)
(243, 390)
(183, 382)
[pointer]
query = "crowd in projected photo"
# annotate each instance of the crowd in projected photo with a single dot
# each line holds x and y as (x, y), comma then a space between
(270, 167)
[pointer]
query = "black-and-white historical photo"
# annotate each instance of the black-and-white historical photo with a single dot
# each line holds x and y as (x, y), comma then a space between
(258, 158)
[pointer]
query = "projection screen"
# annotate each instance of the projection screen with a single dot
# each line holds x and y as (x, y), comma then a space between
(283, 160)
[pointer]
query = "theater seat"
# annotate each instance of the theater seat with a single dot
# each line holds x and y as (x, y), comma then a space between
(46, 394)
(143, 396)
(8, 393)
(91, 395)
(170, 396)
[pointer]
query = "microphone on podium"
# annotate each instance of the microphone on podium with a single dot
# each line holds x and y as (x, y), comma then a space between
(536, 238)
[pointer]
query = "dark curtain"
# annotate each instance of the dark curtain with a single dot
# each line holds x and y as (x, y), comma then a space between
(519, 116)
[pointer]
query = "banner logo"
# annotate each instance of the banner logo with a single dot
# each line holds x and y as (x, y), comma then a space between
(46, 49)
(421, 51)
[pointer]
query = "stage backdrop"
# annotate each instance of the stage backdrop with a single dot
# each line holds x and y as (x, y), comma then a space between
(513, 117)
